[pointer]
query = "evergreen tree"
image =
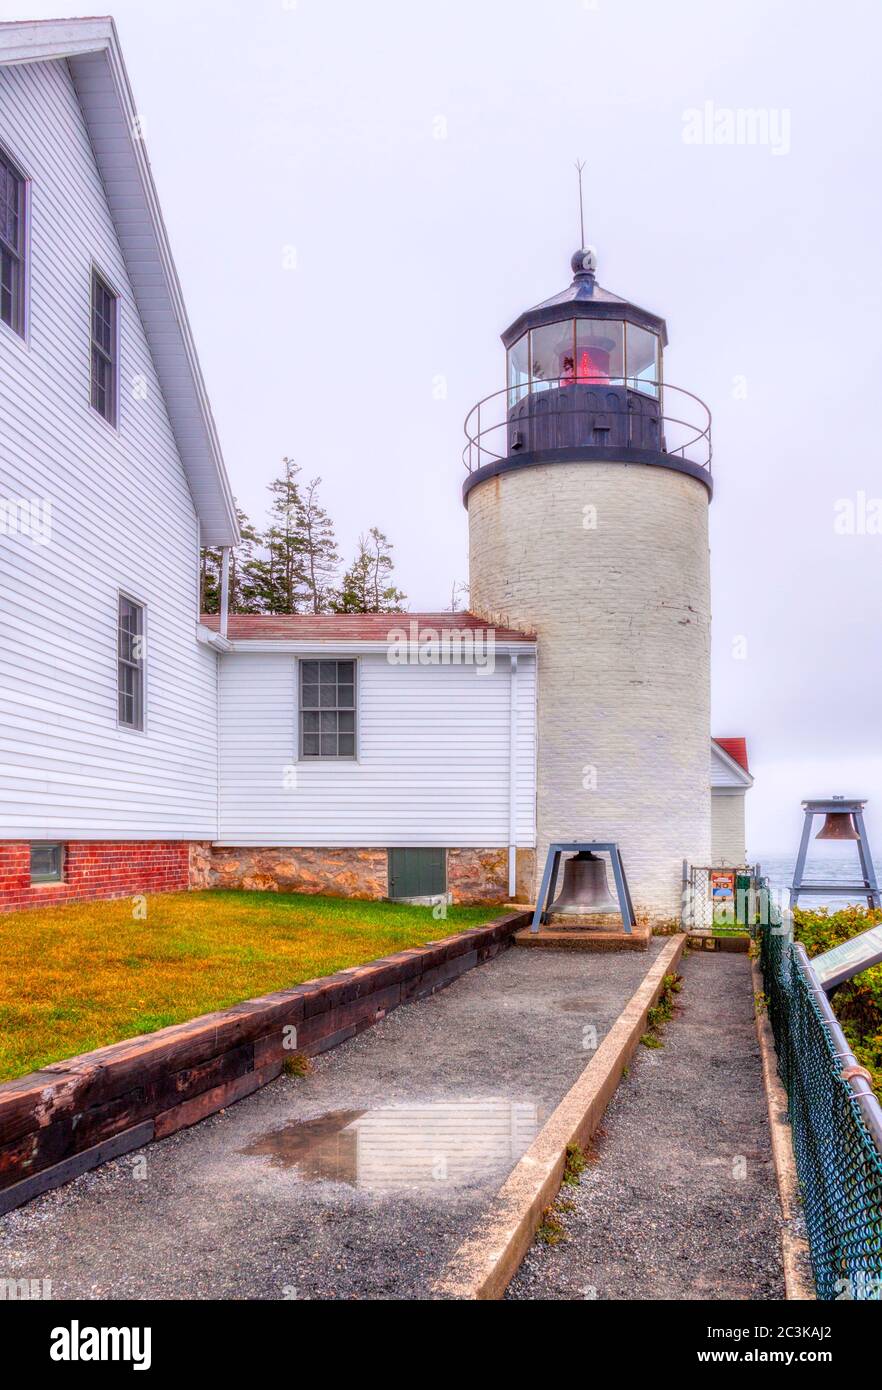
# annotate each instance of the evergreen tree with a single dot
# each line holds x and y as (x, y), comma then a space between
(247, 577)
(210, 564)
(244, 587)
(320, 559)
(282, 579)
(366, 586)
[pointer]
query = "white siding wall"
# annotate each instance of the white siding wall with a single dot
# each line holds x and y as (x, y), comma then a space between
(122, 518)
(722, 774)
(727, 828)
(433, 764)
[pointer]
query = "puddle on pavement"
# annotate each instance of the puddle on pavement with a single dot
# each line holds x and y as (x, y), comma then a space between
(398, 1147)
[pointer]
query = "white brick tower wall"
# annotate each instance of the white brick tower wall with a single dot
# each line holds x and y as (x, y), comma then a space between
(622, 613)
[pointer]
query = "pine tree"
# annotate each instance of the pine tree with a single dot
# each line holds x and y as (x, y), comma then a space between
(244, 567)
(320, 559)
(247, 578)
(366, 586)
(283, 579)
(210, 565)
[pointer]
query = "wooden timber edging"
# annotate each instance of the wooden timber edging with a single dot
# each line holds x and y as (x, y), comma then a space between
(70, 1116)
(486, 1262)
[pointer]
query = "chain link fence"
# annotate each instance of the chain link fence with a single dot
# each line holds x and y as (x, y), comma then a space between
(836, 1123)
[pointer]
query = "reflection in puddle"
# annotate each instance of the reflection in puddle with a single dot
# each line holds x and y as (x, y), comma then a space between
(405, 1146)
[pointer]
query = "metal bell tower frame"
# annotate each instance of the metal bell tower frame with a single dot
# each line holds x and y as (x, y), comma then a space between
(867, 886)
(549, 879)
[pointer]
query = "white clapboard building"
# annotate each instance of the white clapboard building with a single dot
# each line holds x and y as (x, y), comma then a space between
(143, 748)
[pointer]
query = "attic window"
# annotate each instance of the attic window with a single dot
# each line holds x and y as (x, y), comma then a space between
(12, 246)
(105, 348)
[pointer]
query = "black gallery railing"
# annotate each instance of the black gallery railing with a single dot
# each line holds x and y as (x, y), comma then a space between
(568, 413)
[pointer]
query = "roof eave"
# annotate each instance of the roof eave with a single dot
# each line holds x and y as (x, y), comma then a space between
(745, 777)
(356, 645)
(78, 40)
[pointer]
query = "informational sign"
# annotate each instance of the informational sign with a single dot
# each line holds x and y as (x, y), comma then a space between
(722, 884)
(836, 966)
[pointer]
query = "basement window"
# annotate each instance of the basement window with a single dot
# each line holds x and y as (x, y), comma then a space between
(327, 709)
(47, 863)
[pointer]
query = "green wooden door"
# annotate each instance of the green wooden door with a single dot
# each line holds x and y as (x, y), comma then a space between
(417, 873)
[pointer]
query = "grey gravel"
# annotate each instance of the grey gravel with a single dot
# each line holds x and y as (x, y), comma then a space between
(197, 1217)
(681, 1202)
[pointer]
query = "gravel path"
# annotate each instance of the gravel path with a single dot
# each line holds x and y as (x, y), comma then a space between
(681, 1202)
(357, 1181)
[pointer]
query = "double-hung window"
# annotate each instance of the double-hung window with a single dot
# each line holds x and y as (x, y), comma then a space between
(105, 348)
(13, 243)
(130, 664)
(327, 709)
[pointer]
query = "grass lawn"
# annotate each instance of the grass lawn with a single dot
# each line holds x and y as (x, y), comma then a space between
(76, 978)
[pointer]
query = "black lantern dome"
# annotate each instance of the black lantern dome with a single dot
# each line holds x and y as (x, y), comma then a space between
(584, 377)
(584, 298)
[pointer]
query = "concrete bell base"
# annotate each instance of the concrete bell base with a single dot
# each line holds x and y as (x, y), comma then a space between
(584, 938)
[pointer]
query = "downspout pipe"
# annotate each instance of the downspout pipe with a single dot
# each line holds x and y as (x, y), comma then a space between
(225, 591)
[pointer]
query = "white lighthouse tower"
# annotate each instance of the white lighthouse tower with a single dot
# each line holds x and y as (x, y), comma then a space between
(587, 493)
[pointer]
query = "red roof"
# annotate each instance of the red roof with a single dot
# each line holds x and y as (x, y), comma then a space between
(352, 627)
(736, 748)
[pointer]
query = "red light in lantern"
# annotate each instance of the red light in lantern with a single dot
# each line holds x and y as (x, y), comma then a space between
(593, 365)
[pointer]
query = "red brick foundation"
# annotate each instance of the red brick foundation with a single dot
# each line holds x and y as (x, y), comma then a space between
(95, 869)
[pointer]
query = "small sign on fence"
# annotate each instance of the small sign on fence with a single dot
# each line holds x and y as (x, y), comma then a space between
(836, 966)
(722, 884)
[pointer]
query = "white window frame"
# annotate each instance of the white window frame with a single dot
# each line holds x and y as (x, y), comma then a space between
(348, 758)
(139, 603)
(21, 338)
(95, 270)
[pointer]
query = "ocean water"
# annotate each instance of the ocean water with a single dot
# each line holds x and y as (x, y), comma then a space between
(820, 868)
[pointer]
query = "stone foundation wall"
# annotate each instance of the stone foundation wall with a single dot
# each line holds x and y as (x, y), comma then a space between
(477, 875)
(526, 875)
(473, 875)
(341, 873)
(200, 863)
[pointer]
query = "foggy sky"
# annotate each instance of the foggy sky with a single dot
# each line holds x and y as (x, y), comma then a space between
(361, 196)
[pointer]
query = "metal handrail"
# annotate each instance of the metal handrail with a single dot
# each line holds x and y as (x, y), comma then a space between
(871, 1111)
(504, 399)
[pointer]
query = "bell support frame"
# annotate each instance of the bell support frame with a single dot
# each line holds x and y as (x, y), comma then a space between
(868, 887)
(550, 872)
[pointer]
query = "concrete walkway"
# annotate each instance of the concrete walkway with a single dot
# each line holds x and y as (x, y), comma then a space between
(682, 1201)
(357, 1181)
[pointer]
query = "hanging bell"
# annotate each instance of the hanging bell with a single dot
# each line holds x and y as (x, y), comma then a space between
(585, 888)
(838, 825)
